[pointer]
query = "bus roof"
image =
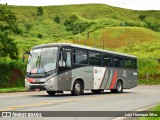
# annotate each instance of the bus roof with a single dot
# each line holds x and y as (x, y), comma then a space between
(80, 46)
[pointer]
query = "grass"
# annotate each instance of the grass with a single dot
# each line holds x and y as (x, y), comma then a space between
(134, 40)
(149, 82)
(157, 108)
(148, 49)
(9, 90)
(117, 37)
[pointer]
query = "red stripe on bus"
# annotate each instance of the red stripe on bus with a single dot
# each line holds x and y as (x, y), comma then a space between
(114, 80)
(103, 78)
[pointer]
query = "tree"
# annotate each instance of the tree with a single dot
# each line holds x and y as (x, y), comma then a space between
(39, 11)
(70, 23)
(75, 25)
(8, 25)
(142, 17)
(57, 19)
(8, 46)
(154, 25)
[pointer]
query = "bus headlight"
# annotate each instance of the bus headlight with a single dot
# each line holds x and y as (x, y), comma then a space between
(50, 80)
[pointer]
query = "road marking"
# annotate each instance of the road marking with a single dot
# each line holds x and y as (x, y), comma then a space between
(148, 93)
(37, 104)
(72, 98)
(49, 102)
(15, 107)
(19, 95)
(46, 102)
(151, 92)
(98, 96)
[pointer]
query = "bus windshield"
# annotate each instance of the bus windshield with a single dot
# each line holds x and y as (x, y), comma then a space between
(42, 60)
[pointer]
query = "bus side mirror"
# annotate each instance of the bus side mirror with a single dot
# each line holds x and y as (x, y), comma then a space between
(28, 53)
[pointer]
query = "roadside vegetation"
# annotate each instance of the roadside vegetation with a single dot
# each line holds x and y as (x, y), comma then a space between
(10, 90)
(96, 25)
(157, 108)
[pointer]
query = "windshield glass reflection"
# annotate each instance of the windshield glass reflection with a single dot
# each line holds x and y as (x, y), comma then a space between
(42, 60)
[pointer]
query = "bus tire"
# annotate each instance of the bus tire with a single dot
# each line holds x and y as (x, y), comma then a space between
(77, 88)
(51, 93)
(119, 87)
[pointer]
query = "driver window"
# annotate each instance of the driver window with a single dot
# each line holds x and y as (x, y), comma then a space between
(62, 63)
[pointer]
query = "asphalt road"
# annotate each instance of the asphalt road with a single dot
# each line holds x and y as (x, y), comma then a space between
(131, 100)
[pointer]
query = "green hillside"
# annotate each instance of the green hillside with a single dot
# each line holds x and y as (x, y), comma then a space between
(117, 27)
(123, 30)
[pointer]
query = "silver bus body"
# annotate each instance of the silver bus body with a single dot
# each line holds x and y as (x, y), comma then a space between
(91, 77)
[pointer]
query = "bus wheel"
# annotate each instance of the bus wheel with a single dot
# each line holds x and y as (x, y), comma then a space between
(119, 87)
(51, 93)
(77, 88)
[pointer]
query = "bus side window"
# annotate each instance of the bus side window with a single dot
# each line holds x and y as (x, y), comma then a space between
(68, 61)
(80, 56)
(107, 60)
(128, 63)
(118, 61)
(95, 58)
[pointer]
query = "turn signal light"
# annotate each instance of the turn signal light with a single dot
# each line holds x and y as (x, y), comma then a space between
(30, 80)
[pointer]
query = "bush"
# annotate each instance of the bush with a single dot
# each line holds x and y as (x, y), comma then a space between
(57, 19)
(39, 11)
(12, 73)
(142, 17)
(150, 66)
(40, 36)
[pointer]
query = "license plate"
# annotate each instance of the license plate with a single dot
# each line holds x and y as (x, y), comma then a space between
(37, 89)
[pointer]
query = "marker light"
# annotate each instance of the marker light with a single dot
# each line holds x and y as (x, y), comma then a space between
(30, 80)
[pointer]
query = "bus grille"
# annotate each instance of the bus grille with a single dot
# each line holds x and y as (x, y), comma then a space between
(37, 82)
(33, 87)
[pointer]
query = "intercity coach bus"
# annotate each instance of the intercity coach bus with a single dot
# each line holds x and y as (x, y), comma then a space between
(62, 67)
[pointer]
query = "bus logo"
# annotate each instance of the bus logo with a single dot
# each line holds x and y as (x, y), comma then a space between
(124, 73)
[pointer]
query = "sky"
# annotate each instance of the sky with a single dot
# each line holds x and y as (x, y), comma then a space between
(129, 4)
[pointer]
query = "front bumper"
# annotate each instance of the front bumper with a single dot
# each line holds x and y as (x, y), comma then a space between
(49, 85)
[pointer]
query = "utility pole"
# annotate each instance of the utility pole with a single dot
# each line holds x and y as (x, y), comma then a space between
(103, 43)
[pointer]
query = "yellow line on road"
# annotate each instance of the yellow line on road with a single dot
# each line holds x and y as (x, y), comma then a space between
(68, 100)
(37, 104)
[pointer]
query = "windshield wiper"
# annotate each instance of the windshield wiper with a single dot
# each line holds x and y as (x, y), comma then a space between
(37, 63)
(50, 71)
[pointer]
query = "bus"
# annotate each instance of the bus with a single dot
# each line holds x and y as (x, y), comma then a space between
(59, 67)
